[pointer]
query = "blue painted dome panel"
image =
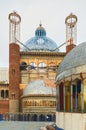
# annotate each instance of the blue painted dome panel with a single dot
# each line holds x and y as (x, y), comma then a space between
(40, 42)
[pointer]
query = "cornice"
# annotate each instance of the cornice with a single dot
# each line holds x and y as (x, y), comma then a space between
(43, 53)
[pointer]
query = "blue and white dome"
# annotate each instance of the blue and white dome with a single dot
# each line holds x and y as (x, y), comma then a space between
(40, 42)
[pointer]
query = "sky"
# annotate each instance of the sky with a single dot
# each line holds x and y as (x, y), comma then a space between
(51, 13)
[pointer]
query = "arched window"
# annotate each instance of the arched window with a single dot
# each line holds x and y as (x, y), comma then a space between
(7, 93)
(52, 67)
(49, 117)
(2, 93)
(40, 33)
(54, 118)
(67, 95)
(42, 67)
(23, 66)
(32, 65)
(61, 96)
(77, 95)
(24, 76)
(42, 117)
(34, 117)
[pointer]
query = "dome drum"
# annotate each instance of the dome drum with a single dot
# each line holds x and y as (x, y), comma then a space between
(38, 104)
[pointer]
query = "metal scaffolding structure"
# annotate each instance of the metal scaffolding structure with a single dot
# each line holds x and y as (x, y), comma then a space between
(14, 27)
(71, 29)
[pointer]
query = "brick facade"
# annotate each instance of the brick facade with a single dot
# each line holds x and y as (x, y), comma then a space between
(4, 106)
(14, 75)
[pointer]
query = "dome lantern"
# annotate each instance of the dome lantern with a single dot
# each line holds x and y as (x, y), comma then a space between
(40, 31)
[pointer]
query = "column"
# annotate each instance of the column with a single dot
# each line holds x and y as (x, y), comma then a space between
(71, 97)
(57, 99)
(4, 93)
(82, 97)
(0, 93)
(61, 96)
(76, 101)
(64, 97)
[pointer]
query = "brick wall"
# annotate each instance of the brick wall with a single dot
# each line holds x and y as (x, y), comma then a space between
(4, 106)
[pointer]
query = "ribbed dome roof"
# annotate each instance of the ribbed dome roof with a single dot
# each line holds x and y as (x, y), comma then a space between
(72, 61)
(40, 42)
(38, 87)
(40, 31)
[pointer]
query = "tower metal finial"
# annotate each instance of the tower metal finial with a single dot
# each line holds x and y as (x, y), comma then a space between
(40, 23)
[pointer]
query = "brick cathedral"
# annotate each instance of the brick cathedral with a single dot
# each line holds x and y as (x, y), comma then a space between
(32, 71)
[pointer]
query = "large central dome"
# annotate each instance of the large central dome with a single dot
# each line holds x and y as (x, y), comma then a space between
(40, 42)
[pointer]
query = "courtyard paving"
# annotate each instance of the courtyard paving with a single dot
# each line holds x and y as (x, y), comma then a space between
(20, 125)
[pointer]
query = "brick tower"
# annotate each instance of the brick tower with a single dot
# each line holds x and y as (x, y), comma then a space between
(14, 62)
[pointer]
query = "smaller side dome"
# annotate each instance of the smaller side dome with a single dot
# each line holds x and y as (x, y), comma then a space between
(40, 31)
(38, 87)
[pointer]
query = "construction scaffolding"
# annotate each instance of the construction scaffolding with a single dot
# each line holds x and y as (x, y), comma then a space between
(71, 29)
(14, 27)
